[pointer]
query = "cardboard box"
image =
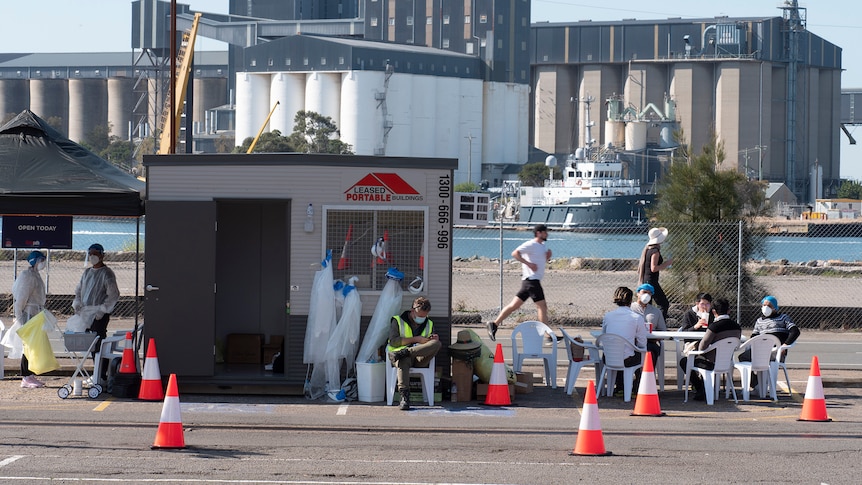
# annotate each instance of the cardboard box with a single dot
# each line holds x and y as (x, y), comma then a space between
(482, 391)
(524, 384)
(243, 348)
(462, 377)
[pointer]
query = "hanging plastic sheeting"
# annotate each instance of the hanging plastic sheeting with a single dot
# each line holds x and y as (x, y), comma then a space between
(321, 322)
(388, 306)
(37, 348)
(344, 341)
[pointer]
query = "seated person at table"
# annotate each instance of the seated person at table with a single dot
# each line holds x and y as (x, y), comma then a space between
(651, 314)
(698, 317)
(721, 328)
(629, 325)
(774, 323)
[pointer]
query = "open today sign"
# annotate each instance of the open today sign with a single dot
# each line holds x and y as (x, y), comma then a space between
(45, 232)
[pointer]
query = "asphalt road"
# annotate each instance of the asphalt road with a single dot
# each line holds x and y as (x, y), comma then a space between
(257, 439)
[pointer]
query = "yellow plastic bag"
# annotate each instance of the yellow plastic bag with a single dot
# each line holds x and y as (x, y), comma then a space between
(37, 348)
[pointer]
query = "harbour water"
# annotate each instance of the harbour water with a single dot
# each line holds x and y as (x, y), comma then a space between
(486, 243)
(119, 235)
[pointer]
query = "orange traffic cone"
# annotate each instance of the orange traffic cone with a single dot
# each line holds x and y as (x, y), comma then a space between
(814, 405)
(646, 403)
(590, 440)
(127, 365)
(170, 433)
(344, 261)
(498, 386)
(151, 382)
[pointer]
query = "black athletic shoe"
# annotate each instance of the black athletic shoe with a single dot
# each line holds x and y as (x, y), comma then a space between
(492, 331)
(404, 405)
(396, 356)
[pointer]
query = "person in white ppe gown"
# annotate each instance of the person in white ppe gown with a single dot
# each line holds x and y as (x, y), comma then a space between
(28, 295)
(97, 288)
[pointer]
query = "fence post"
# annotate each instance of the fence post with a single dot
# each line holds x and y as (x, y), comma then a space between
(739, 271)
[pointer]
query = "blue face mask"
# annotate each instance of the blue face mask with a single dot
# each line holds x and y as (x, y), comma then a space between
(419, 319)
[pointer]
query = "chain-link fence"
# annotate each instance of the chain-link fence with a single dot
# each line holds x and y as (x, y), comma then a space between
(64, 267)
(813, 269)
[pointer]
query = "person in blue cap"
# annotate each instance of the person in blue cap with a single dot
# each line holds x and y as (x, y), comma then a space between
(652, 316)
(28, 299)
(97, 290)
(771, 322)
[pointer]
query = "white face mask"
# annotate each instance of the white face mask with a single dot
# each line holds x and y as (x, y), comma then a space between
(93, 260)
(645, 298)
(766, 310)
(41, 265)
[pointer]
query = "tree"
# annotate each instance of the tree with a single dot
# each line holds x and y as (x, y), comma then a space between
(466, 187)
(850, 189)
(269, 142)
(315, 133)
(695, 190)
(97, 139)
(535, 174)
(709, 215)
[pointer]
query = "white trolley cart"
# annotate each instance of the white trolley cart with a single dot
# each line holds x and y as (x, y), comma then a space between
(76, 343)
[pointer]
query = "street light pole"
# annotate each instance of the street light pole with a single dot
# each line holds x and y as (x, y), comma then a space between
(470, 157)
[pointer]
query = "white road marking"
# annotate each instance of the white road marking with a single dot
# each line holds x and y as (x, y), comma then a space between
(342, 410)
(11, 459)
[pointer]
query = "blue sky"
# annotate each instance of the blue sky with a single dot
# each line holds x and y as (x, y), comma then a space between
(105, 26)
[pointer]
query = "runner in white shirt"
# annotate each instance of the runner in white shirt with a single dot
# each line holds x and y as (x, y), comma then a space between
(533, 256)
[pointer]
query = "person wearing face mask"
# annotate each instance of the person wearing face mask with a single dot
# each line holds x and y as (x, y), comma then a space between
(28, 295)
(723, 327)
(773, 323)
(699, 317)
(97, 288)
(650, 314)
(533, 256)
(651, 265)
(412, 343)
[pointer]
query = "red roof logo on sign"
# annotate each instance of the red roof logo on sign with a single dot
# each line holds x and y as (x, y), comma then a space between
(381, 187)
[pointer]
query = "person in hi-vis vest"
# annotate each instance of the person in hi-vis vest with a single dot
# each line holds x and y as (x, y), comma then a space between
(412, 343)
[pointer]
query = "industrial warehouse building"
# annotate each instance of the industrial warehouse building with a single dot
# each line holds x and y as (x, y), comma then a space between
(475, 81)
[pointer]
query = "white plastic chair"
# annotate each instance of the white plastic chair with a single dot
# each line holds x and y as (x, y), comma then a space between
(777, 363)
(2, 352)
(591, 357)
(109, 349)
(761, 348)
(531, 346)
(613, 349)
(724, 349)
(426, 374)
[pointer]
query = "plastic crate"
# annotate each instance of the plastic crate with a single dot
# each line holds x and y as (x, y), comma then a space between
(79, 341)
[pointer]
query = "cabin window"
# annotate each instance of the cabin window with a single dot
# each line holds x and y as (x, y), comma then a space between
(404, 229)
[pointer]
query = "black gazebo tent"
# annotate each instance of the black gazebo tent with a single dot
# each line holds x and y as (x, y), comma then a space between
(42, 172)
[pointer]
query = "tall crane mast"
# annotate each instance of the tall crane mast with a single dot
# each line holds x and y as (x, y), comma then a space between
(184, 68)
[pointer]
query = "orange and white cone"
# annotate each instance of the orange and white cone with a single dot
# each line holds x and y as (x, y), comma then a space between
(170, 433)
(128, 365)
(590, 440)
(498, 385)
(647, 403)
(344, 261)
(151, 381)
(814, 405)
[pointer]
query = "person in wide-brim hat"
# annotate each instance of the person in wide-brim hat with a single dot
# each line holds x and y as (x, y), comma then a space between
(657, 235)
(651, 264)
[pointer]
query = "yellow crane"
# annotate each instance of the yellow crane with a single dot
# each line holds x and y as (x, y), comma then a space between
(260, 132)
(184, 69)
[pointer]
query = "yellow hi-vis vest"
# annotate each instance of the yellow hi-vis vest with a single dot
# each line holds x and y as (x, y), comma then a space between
(407, 332)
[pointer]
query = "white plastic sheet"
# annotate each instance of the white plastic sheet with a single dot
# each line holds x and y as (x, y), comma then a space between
(344, 341)
(321, 314)
(377, 334)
